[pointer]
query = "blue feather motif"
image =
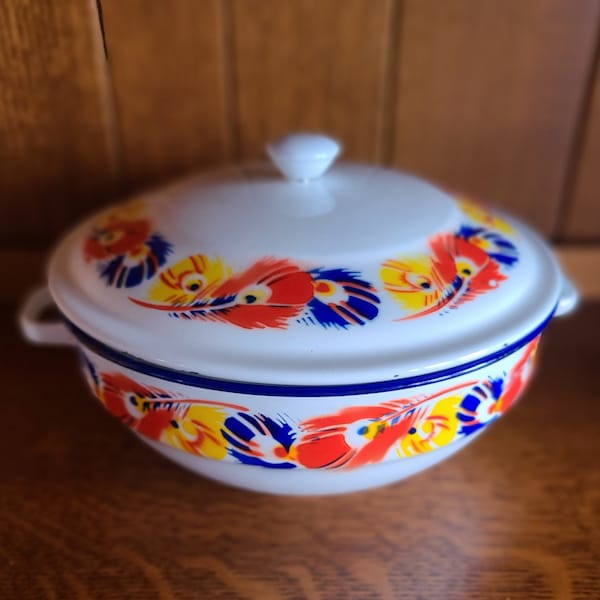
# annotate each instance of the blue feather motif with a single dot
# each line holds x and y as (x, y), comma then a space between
(259, 440)
(118, 273)
(341, 299)
(474, 411)
(497, 247)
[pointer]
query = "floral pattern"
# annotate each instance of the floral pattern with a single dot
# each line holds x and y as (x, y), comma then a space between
(352, 437)
(124, 248)
(460, 266)
(275, 292)
(189, 425)
(484, 217)
(261, 440)
(268, 294)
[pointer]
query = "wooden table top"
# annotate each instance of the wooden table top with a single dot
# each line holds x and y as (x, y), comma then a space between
(87, 511)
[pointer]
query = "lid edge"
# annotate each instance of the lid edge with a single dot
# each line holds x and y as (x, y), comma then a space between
(274, 389)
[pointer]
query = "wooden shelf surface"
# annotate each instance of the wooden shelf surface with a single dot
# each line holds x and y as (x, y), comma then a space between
(88, 511)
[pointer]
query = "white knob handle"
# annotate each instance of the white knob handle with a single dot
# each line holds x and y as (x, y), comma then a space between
(303, 156)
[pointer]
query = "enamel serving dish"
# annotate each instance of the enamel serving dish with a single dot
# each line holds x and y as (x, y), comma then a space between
(302, 328)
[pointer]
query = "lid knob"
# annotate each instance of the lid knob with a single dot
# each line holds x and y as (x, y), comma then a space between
(303, 156)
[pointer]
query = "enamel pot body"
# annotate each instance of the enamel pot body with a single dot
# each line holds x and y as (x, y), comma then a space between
(277, 440)
(317, 333)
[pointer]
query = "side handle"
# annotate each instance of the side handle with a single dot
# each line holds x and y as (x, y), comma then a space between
(569, 299)
(48, 333)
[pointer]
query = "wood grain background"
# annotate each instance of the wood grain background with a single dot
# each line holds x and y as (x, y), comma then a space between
(500, 100)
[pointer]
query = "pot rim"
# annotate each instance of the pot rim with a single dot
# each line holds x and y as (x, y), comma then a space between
(192, 379)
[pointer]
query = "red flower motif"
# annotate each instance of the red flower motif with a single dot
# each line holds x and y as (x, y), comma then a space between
(519, 377)
(117, 237)
(187, 424)
(267, 294)
(362, 435)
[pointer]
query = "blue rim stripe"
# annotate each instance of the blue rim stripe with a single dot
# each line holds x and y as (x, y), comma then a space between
(308, 391)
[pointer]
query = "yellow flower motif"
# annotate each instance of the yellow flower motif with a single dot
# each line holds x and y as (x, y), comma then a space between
(198, 431)
(412, 282)
(192, 279)
(129, 211)
(436, 429)
(483, 216)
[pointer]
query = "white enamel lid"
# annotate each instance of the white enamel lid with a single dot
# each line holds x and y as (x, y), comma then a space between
(304, 275)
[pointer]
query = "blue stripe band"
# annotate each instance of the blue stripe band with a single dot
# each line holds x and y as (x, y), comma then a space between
(307, 391)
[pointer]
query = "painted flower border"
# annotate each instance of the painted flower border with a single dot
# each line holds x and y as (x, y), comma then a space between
(349, 438)
(273, 292)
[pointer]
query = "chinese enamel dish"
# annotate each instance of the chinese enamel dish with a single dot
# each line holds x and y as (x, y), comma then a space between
(302, 327)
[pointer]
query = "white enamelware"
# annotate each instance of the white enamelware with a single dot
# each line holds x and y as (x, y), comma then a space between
(303, 328)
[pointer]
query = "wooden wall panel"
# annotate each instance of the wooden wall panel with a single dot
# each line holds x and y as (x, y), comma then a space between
(311, 65)
(167, 66)
(583, 212)
(483, 96)
(57, 153)
(489, 94)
